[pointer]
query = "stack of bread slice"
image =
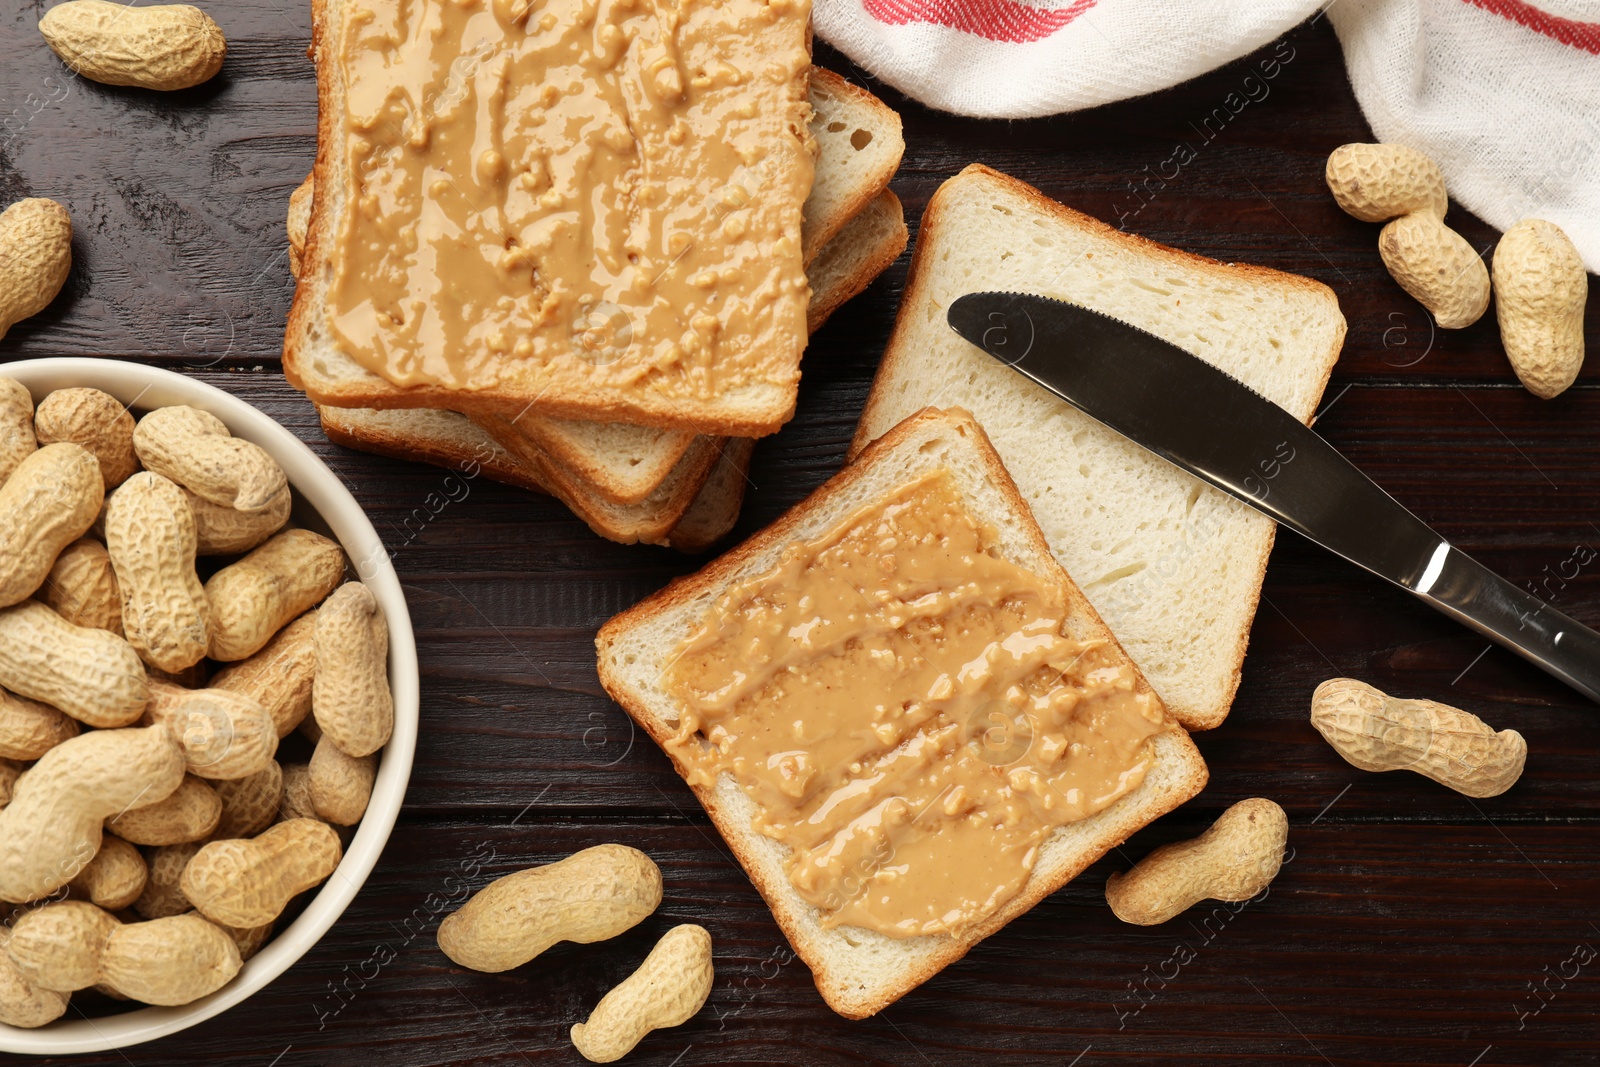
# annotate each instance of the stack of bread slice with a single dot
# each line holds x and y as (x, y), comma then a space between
(634, 483)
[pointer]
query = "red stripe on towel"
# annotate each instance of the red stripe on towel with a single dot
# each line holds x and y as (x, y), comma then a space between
(998, 20)
(1584, 35)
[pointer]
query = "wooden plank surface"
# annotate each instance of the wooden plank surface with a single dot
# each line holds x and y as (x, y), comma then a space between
(1412, 925)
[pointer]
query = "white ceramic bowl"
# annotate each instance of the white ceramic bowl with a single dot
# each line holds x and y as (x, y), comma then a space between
(319, 489)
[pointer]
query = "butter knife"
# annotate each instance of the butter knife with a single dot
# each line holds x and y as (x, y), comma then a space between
(1210, 424)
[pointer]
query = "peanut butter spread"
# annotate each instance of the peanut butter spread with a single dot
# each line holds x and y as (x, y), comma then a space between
(901, 705)
(605, 192)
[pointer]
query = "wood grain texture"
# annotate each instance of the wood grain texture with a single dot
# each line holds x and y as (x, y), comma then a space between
(1412, 924)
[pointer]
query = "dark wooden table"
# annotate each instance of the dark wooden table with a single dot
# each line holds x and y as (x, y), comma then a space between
(1412, 925)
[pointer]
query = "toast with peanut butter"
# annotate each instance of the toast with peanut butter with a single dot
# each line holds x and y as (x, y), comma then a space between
(859, 147)
(846, 265)
(1172, 565)
(905, 719)
(476, 218)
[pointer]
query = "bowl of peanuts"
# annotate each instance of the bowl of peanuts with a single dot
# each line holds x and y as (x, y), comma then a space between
(208, 702)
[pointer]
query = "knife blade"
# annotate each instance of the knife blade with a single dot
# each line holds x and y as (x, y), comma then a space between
(1210, 424)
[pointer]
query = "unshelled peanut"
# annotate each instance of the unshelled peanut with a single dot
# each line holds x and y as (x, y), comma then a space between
(29, 729)
(1436, 265)
(1540, 292)
(341, 785)
(163, 895)
(159, 46)
(58, 946)
(10, 771)
(93, 675)
(249, 882)
(23, 1004)
(297, 803)
(590, 896)
(250, 805)
(279, 676)
(190, 813)
(1379, 182)
(17, 440)
(49, 501)
(253, 599)
(53, 826)
(171, 961)
(1377, 732)
(225, 531)
(224, 734)
(350, 693)
(196, 449)
(115, 878)
(82, 587)
(189, 678)
(151, 538)
(96, 420)
(35, 258)
(1234, 860)
(248, 939)
(669, 987)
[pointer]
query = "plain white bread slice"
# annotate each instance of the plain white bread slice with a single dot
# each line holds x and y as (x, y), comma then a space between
(860, 972)
(451, 439)
(1174, 566)
(648, 520)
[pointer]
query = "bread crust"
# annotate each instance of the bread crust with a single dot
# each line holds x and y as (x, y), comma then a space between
(716, 509)
(502, 467)
(913, 297)
(822, 229)
(917, 274)
(666, 450)
(710, 515)
(649, 520)
(724, 571)
(884, 214)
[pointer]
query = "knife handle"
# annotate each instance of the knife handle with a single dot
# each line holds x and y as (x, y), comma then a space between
(1466, 590)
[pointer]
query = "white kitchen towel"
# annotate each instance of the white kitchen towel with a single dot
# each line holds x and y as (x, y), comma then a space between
(1503, 94)
(1011, 59)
